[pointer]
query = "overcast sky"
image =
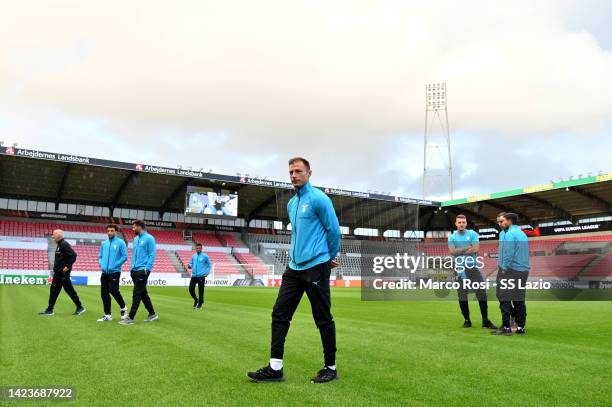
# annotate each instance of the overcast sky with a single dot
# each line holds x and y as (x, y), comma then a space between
(241, 86)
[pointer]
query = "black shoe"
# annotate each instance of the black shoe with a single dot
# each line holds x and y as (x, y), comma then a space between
(79, 311)
(325, 375)
(488, 324)
(46, 313)
(266, 374)
(502, 331)
(199, 307)
(520, 331)
(195, 304)
(467, 323)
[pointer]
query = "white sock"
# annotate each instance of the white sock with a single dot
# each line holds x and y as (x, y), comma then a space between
(333, 367)
(276, 364)
(109, 315)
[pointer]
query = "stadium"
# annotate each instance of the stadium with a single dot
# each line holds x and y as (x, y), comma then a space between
(302, 203)
(392, 352)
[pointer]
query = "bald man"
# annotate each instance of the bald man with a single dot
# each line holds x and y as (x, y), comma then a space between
(64, 259)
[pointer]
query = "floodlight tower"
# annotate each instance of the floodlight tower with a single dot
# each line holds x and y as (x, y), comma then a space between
(437, 163)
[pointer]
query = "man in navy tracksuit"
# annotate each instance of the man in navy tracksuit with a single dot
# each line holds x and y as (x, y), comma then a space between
(200, 268)
(502, 232)
(113, 253)
(65, 257)
(514, 266)
(143, 258)
(315, 242)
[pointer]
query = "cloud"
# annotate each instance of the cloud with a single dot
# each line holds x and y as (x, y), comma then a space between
(341, 82)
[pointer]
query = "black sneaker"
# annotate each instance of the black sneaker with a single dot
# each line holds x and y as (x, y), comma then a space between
(198, 307)
(79, 311)
(46, 313)
(325, 375)
(520, 330)
(195, 304)
(266, 374)
(467, 323)
(488, 324)
(502, 331)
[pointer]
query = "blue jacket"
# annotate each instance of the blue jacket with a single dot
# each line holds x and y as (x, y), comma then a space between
(458, 240)
(113, 253)
(499, 257)
(468, 238)
(514, 250)
(315, 231)
(200, 265)
(143, 252)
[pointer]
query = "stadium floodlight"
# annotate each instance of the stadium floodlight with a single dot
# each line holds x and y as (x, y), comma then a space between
(436, 96)
(437, 162)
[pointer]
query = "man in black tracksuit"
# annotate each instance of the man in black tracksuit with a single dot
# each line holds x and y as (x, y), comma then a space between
(315, 242)
(62, 266)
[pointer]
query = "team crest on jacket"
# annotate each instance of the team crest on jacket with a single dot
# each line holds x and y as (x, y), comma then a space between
(304, 207)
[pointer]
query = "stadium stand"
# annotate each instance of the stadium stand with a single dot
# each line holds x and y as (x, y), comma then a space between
(603, 267)
(229, 265)
(40, 190)
(23, 259)
(563, 267)
(230, 240)
(87, 260)
(207, 239)
(568, 257)
(173, 237)
(217, 240)
(256, 266)
(34, 229)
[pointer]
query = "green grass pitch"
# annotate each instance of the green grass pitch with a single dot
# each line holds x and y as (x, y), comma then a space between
(389, 353)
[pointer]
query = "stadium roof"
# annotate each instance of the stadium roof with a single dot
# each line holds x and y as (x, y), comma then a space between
(56, 177)
(569, 200)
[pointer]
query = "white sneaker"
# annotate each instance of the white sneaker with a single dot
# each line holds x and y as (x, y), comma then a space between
(124, 313)
(105, 318)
